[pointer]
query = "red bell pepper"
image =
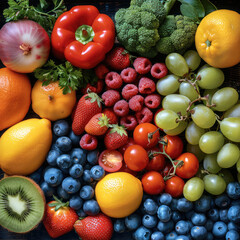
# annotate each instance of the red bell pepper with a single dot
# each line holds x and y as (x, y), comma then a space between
(83, 36)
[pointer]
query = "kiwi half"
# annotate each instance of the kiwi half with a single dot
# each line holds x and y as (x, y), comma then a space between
(22, 204)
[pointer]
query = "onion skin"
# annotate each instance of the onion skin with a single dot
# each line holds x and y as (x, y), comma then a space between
(24, 45)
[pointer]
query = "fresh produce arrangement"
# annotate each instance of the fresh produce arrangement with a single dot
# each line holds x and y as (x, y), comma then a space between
(120, 127)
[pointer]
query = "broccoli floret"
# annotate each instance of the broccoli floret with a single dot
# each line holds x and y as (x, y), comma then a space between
(177, 34)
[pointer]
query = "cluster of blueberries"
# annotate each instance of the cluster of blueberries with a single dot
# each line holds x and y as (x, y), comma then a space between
(165, 218)
(70, 172)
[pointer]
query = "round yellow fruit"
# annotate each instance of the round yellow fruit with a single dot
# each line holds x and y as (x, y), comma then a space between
(119, 194)
(24, 146)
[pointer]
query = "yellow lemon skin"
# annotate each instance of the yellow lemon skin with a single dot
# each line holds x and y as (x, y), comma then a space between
(24, 146)
(119, 194)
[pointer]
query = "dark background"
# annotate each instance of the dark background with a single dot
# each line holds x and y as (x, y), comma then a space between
(110, 7)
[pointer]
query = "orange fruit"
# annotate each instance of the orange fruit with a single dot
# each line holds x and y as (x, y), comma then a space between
(217, 38)
(50, 102)
(15, 97)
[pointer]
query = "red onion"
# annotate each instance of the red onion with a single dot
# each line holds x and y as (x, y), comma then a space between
(24, 46)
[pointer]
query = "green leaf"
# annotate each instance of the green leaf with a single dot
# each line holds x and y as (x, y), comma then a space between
(189, 11)
(208, 6)
(43, 4)
(197, 5)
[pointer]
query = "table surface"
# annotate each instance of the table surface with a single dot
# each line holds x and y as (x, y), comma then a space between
(109, 7)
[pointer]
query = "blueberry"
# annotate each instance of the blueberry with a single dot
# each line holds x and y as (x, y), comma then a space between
(209, 225)
(235, 202)
(142, 233)
(233, 190)
(174, 204)
(61, 128)
(52, 157)
(56, 148)
(223, 215)
(78, 156)
(74, 138)
(182, 237)
(210, 236)
(76, 170)
(213, 214)
(81, 213)
(71, 185)
(64, 144)
(97, 172)
(233, 226)
(176, 216)
(199, 233)
(219, 229)
(182, 227)
(62, 193)
(64, 162)
(47, 189)
(150, 206)
(149, 221)
(157, 236)
(203, 204)
(119, 225)
(75, 202)
(199, 219)
(92, 157)
(133, 221)
(165, 227)
(190, 224)
(53, 176)
(222, 201)
(36, 176)
(232, 235)
(234, 214)
(87, 176)
(183, 205)
(86, 192)
(165, 199)
(171, 236)
(91, 207)
(164, 213)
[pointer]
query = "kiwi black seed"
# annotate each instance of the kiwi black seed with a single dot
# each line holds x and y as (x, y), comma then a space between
(22, 204)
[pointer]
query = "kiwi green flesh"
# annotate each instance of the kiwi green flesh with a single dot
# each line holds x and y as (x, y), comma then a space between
(22, 204)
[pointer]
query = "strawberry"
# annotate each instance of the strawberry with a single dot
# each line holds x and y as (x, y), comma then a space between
(112, 117)
(101, 71)
(97, 125)
(88, 105)
(59, 218)
(118, 58)
(115, 137)
(97, 227)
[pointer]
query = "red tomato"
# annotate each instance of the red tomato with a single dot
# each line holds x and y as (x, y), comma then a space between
(110, 160)
(173, 147)
(146, 135)
(124, 147)
(190, 165)
(153, 183)
(136, 157)
(168, 168)
(156, 161)
(174, 186)
(125, 168)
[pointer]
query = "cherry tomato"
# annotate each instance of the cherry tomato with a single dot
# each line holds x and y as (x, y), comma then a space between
(146, 135)
(153, 182)
(174, 186)
(167, 169)
(124, 147)
(125, 168)
(156, 161)
(136, 157)
(110, 160)
(190, 165)
(173, 147)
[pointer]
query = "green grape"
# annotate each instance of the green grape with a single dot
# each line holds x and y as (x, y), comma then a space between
(193, 59)
(193, 133)
(238, 165)
(211, 142)
(210, 78)
(176, 102)
(203, 116)
(188, 90)
(210, 163)
(233, 111)
(193, 189)
(177, 64)
(168, 85)
(195, 149)
(228, 155)
(226, 174)
(230, 128)
(214, 184)
(166, 119)
(224, 99)
(176, 131)
(210, 93)
(204, 66)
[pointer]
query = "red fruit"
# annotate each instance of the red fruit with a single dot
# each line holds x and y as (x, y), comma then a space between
(129, 122)
(121, 108)
(113, 80)
(88, 105)
(129, 75)
(129, 90)
(156, 160)
(115, 137)
(130, 142)
(101, 71)
(174, 186)
(144, 116)
(97, 125)
(146, 86)
(110, 97)
(118, 58)
(159, 70)
(97, 227)
(88, 142)
(152, 101)
(113, 118)
(142, 65)
(97, 88)
(136, 103)
(59, 218)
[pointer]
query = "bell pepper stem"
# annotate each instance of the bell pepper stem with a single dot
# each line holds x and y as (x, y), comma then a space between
(84, 34)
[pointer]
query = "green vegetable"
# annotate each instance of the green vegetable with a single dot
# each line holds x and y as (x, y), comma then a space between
(137, 25)
(177, 34)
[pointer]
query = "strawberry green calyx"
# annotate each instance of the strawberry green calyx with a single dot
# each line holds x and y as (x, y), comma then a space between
(118, 129)
(58, 204)
(103, 120)
(94, 98)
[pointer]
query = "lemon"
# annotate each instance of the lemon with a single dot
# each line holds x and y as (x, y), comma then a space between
(24, 146)
(119, 194)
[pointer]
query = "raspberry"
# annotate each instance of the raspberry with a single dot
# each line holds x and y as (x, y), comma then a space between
(145, 115)
(129, 122)
(113, 118)
(110, 97)
(152, 101)
(113, 80)
(159, 70)
(142, 65)
(96, 88)
(128, 75)
(101, 71)
(129, 91)
(136, 103)
(121, 108)
(88, 142)
(146, 86)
